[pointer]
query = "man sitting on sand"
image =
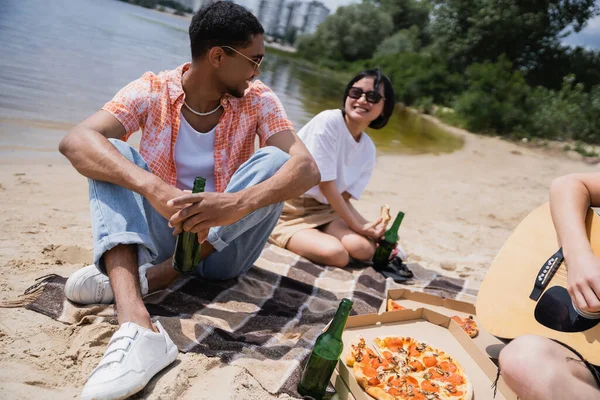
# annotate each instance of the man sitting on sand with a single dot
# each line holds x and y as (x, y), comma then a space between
(199, 119)
(535, 367)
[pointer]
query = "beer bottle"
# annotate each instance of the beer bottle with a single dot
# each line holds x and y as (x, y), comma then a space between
(187, 248)
(325, 355)
(387, 244)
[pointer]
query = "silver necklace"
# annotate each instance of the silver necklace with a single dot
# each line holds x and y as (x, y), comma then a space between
(200, 113)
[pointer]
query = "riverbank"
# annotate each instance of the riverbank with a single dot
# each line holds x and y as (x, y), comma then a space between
(460, 208)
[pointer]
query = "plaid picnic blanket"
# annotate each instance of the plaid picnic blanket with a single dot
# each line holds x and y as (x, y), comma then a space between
(265, 321)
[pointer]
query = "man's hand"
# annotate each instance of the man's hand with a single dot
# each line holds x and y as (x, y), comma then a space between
(373, 230)
(584, 281)
(159, 200)
(202, 211)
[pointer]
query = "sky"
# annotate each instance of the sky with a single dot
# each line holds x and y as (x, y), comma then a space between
(589, 37)
(333, 4)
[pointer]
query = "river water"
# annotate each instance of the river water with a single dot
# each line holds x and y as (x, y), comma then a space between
(61, 60)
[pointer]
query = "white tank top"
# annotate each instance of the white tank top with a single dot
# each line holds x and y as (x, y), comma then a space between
(194, 156)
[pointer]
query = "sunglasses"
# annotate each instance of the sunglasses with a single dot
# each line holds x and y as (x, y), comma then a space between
(372, 96)
(256, 64)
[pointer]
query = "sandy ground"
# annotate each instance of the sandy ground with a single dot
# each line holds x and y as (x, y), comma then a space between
(460, 208)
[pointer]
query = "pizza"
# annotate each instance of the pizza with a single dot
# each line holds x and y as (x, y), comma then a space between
(467, 324)
(402, 368)
(393, 306)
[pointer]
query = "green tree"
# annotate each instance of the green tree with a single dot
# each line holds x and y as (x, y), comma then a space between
(419, 75)
(570, 112)
(406, 13)
(592, 132)
(496, 100)
(554, 66)
(528, 32)
(350, 34)
(310, 47)
(290, 35)
(403, 41)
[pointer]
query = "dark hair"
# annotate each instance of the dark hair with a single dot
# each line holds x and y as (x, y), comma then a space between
(388, 93)
(222, 24)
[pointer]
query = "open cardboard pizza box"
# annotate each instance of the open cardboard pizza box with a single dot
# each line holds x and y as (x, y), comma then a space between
(341, 389)
(433, 328)
(449, 307)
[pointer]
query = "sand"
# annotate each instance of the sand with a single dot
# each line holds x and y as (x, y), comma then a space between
(460, 208)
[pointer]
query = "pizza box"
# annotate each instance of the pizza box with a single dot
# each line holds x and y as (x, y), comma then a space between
(433, 328)
(341, 389)
(413, 300)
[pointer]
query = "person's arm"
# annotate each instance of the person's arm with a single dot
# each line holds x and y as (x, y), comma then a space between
(347, 196)
(295, 177)
(346, 211)
(87, 147)
(570, 198)
(358, 187)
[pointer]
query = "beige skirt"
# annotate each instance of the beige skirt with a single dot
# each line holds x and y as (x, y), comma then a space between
(301, 213)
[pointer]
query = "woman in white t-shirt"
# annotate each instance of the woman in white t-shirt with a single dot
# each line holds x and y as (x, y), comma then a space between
(323, 225)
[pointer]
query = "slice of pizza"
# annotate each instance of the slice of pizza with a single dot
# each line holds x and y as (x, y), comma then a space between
(395, 351)
(384, 384)
(371, 370)
(467, 324)
(393, 306)
(447, 379)
(357, 351)
(360, 353)
(372, 381)
(427, 372)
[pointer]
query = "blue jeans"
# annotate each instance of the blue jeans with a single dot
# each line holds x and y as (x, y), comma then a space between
(120, 216)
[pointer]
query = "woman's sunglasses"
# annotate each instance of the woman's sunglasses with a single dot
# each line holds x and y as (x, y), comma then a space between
(372, 96)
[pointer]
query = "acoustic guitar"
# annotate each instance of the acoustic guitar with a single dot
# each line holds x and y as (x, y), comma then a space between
(524, 291)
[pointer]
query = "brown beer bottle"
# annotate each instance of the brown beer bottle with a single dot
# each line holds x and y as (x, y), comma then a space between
(187, 248)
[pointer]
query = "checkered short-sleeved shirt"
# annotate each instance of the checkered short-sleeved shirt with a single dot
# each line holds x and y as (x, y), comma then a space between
(153, 103)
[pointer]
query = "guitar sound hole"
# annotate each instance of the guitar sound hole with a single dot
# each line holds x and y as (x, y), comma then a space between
(555, 311)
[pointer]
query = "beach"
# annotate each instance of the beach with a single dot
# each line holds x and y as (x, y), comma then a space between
(460, 208)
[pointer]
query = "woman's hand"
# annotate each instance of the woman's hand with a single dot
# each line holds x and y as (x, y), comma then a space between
(373, 230)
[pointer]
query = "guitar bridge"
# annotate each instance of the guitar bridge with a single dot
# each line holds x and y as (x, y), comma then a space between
(545, 274)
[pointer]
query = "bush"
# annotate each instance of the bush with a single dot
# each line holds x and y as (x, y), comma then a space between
(425, 105)
(419, 75)
(496, 99)
(348, 35)
(569, 113)
(592, 132)
(585, 150)
(403, 41)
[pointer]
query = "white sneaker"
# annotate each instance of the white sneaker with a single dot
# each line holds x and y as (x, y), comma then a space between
(90, 286)
(133, 356)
